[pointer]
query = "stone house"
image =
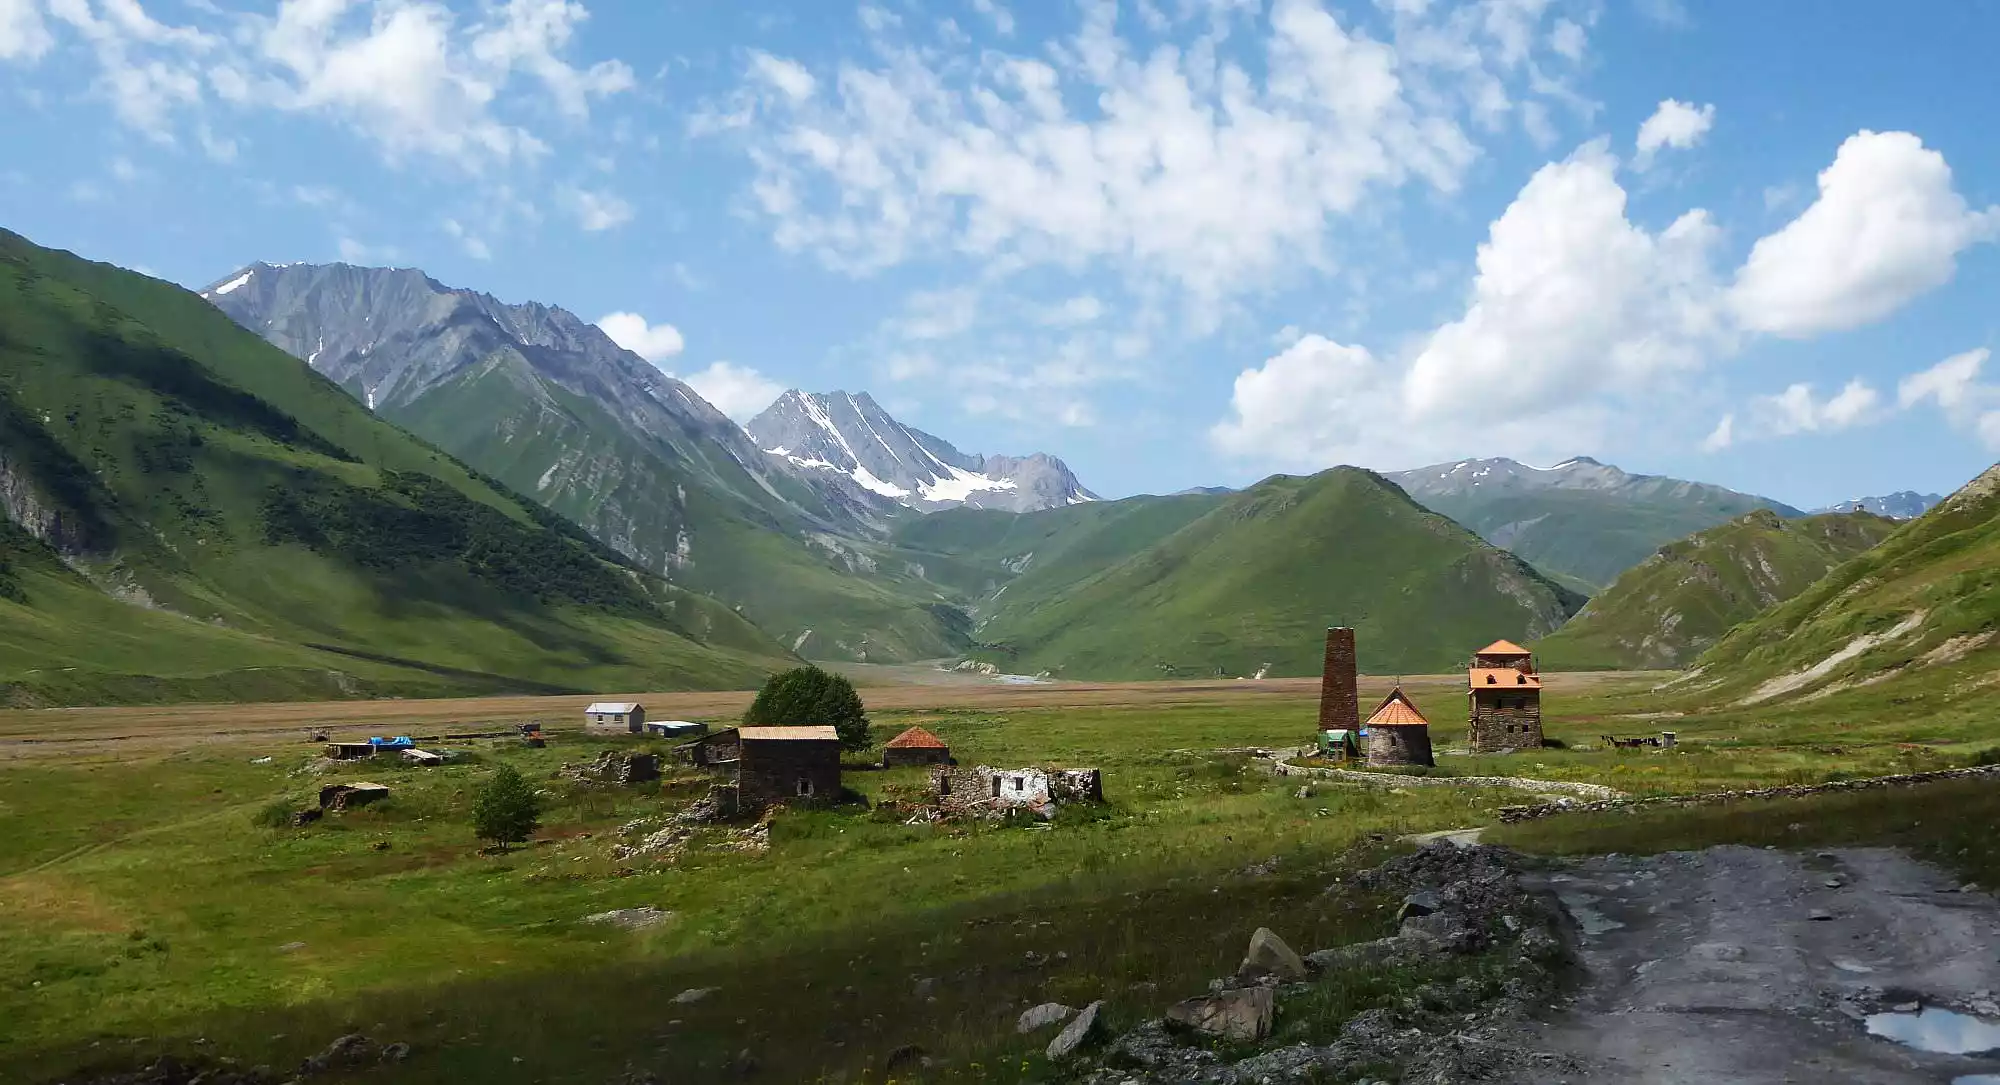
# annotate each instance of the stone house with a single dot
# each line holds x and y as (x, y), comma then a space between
(1504, 695)
(713, 750)
(1398, 734)
(799, 765)
(991, 792)
(627, 717)
(915, 746)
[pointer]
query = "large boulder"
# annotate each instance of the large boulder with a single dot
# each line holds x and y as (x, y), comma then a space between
(1242, 1014)
(1075, 1033)
(1041, 1017)
(1268, 955)
(1355, 955)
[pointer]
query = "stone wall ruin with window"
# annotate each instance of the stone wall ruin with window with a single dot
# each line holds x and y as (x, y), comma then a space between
(983, 791)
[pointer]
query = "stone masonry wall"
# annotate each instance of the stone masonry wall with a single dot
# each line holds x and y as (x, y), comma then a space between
(769, 771)
(1339, 690)
(1405, 744)
(1530, 813)
(1387, 779)
(1489, 732)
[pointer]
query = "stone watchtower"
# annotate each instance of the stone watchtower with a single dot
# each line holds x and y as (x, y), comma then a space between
(1398, 734)
(1505, 695)
(1339, 691)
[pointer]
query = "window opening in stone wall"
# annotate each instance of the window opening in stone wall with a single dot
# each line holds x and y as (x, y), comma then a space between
(805, 786)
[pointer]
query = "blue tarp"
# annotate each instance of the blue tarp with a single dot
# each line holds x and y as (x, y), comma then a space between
(400, 742)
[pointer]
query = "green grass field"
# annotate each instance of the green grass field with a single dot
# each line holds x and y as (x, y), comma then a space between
(142, 907)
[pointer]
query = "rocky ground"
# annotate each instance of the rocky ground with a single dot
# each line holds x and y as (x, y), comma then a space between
(1757, 967)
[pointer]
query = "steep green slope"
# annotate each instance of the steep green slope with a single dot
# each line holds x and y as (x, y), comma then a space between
(179, 462)
(1922, 608)
(833, 597)
(1671, 607)
(1252, 584)
(1586, 537)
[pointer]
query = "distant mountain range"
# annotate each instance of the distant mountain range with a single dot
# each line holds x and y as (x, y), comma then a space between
(1581, 521)
(1673, 606)
(851, 436)
(1901, 505)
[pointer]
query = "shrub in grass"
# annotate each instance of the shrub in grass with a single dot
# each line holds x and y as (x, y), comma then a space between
(811, 697)
(277, 814)
(506, 811)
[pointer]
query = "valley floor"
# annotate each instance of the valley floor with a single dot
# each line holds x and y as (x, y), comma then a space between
(144, 906)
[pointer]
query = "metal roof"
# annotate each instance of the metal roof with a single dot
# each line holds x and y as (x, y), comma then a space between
(616, 708)
(788, 734)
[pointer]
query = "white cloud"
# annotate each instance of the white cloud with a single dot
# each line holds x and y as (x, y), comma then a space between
(1780, 196)
(1796, 410)
(1082, 309)
(787, 76)
(1952, 384)
(653, 342)
(936, 314)
(1568, 39)
(361, 253)
(473, 245)
(596, 211)
(1722, 436)
(1000, 17)
(1210, 168)
(737, 391)
(1309, 404)
(1675, 124)
(1887, 227)
(24, 36)
(1572, 299)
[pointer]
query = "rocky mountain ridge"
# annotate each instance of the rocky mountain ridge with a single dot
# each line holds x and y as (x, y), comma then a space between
(1901, 505)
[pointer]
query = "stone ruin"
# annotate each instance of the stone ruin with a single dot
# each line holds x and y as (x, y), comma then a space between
(613, 767)
(983, 791)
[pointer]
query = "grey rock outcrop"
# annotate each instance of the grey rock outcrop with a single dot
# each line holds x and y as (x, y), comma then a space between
(1268, 955)
(1243, 1014)
(1041, 1017)
(1075, 1033)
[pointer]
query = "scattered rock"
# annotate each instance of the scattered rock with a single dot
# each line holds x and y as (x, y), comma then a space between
(631, 919)
(1243, 1014)
(1442, 932)
(693, 995)
(1268, 955)
(1041, 1017)
(1819, 915)
(1076, 1032)
(906, 1057)
(395, 1052)
(1833, 883)
(1357, 955)
(291, 947)
(1417, 904)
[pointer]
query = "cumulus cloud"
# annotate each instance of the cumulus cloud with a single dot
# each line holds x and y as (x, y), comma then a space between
(413, 76)
(653, 342)
(1675, 124)
(24, 36)
(1210, 168)
(1577, 318)
(737, 391)
(1953, 386)
(1887, 226)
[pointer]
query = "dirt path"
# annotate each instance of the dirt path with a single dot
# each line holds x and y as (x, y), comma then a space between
(1708, 967)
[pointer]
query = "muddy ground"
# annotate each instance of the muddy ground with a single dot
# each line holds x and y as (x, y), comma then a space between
(1751, 966)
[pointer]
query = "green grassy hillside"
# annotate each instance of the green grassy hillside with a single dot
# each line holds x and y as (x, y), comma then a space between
(1586, 538)
(193, 477)
(1254, 581)
(1927, 597)
(1668, 609)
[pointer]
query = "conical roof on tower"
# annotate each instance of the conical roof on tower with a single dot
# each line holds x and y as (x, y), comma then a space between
(1397, 710)
(1504, 648)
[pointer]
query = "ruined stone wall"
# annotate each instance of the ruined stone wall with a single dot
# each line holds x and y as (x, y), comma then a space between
(990, 792)
(1403, 744)
(1529, 813)
(1339, 691)
(770, 771)
(1497, 730)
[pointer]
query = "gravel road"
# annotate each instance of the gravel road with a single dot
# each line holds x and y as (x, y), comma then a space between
(1755, 967)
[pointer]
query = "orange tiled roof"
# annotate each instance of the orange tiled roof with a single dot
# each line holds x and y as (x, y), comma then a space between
(1503, 678)
(1397, 710)
(917, 737)
(1504, 648)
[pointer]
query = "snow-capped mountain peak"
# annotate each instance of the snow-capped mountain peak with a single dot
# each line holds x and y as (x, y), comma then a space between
(1901, 505)
(851, 435)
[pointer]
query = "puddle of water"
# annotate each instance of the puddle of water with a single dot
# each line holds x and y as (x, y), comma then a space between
(1941, 1031)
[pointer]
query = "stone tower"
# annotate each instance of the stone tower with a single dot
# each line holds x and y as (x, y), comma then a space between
(1398, 734)
(1505, 695)
(1339, 693)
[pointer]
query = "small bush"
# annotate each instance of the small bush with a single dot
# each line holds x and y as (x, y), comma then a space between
(1988, 756)
(277, 814)
(507, 810)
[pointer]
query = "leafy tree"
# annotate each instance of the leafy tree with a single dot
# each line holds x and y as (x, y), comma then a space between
(810, 697)
(506, 810)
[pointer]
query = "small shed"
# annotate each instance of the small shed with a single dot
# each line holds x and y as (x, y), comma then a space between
(626, 716)
(1339, 744)
(787, 764)
(721, 748)
(1398, 734)
(915, 746)
(674, 729)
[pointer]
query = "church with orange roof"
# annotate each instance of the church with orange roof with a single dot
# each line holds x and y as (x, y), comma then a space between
(1504, 691)
(1398, 734)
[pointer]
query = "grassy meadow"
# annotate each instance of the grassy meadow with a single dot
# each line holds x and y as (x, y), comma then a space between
(144, 908)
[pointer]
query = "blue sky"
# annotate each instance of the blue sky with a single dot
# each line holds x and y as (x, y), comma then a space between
(1175, 242)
